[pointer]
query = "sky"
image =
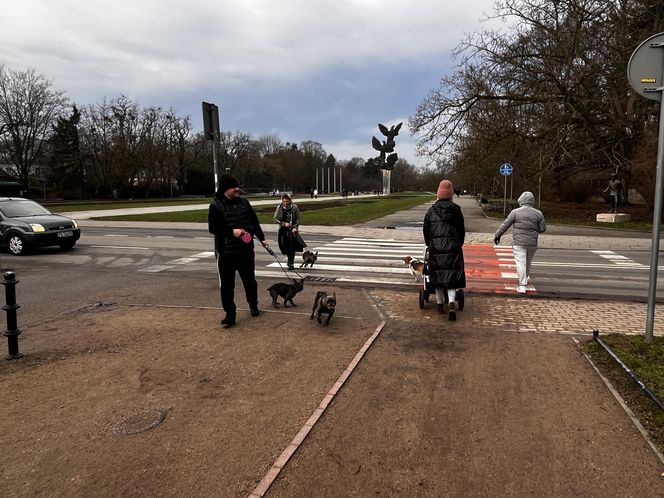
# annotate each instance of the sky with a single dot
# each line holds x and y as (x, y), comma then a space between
(298, 69)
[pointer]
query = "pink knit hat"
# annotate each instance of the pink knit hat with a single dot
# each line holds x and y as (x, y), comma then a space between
(445, 190)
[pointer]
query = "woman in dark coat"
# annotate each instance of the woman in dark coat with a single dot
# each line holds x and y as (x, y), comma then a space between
(444, 233)
(287, 215)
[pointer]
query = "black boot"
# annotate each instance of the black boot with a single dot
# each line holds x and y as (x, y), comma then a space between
(291, 264)
(228, 321)
(254, 310)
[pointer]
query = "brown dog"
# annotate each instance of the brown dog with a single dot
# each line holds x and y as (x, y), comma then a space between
(416, 266)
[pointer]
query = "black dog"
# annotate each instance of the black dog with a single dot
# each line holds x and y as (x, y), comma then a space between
(287, 291)
(309, 258)
(324, 304)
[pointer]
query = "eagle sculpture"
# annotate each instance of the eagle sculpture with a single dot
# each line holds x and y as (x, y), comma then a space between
(387, 146)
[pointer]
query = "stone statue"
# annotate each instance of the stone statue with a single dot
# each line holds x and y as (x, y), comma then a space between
(614, 189)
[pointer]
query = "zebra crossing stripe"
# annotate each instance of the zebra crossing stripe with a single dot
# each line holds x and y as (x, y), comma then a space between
(618, 259)
(182, 261)
(379, 261)
(363, 250)
(352, 268)
(156, 268)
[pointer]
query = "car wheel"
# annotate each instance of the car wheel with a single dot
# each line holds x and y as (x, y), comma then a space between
(16, 244)
(65, 246)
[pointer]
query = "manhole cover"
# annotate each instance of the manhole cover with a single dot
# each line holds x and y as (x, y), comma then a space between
(140, 422)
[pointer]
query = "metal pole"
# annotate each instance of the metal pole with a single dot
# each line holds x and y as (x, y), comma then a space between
(656, 221)
(505, 196)
(12, 331)
(539, 187)
(214, 161)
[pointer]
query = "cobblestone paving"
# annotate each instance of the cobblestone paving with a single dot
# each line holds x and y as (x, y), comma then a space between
(523, 314)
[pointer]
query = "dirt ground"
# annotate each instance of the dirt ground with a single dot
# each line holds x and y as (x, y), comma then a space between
(434, 408)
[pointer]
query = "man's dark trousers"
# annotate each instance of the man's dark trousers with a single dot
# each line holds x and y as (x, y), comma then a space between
(242, 263)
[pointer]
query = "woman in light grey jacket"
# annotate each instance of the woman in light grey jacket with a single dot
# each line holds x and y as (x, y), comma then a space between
(527, 223)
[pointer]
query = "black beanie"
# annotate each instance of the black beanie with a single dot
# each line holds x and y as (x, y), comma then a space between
(226, 182)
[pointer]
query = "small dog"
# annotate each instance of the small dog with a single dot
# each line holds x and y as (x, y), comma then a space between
(324, 304)
(309, 258)
(416, 266)
(286, 291)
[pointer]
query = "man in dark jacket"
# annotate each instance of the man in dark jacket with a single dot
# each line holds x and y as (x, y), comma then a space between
(444, 234)
(234, 223)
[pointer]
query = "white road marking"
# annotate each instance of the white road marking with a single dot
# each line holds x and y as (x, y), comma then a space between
(618, 259)
(156, 268)
(181, 261)
(123, 247)
(350, 268)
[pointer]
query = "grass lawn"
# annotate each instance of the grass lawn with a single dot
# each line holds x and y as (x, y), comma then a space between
(66, 207)
(646, 360)
(572, 213)
(333, 212)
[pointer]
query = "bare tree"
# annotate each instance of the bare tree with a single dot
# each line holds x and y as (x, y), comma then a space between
(110, 140)
(29, 106)
(269, 145)
(551, 90)
(181, 149)
(232, 148)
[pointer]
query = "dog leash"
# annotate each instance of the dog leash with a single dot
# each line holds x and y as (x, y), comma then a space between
(271, 253)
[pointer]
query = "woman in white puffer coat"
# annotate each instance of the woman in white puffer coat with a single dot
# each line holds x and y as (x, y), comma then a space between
(527, 223)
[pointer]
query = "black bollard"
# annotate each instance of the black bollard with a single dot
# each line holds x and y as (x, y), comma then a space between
(12, 331)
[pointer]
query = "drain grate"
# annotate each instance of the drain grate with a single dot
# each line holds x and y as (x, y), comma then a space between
(140, 422)
(309, 278)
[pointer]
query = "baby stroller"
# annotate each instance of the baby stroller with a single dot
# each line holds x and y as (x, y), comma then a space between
(427, 289)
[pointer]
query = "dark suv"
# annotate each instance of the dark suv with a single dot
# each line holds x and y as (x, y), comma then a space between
(24, 224)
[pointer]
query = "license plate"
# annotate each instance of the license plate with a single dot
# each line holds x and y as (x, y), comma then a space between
(65, 234)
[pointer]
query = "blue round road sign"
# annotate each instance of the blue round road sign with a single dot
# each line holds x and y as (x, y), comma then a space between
(506, 169)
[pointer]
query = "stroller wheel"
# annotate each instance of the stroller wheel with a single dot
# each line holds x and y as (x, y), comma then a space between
(423, 298)
(460, 299)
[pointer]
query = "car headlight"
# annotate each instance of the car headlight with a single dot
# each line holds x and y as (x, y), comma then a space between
(36, 227)
(75, 224)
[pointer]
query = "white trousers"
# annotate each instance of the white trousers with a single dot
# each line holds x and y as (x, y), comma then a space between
(523, 257)
(440, 295)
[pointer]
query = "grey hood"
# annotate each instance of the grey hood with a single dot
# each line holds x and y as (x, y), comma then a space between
(526, 199)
